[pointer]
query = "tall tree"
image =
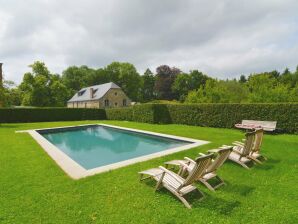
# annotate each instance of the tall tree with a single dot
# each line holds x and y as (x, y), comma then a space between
(242, 79)
(41, 88)
(148, 86)
(127, 77)
(198, 79)
(165, 77)
(182, 85)
(75, 78)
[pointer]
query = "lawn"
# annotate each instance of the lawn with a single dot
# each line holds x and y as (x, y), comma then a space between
(33, 189)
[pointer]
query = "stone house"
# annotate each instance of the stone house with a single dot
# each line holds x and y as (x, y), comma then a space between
(100, 96)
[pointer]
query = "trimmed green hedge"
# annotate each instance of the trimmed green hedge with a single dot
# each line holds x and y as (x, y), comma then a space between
(212, 115)
(123, 114)
(209, 115)
(11, 115)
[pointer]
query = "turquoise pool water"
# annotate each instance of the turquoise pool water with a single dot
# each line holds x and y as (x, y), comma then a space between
(95, 146)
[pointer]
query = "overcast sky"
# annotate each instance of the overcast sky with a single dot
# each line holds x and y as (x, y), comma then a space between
(223, 38)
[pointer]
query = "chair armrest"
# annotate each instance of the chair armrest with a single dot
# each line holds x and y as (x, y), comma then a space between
(183, 164)
(213, 150)
(239, 142)
(224, 146)
(174, 175)
(189, 160)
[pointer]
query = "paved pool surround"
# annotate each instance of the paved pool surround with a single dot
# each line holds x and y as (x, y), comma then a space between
(77, 171)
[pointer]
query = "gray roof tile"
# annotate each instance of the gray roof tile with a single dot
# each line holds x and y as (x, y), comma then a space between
(100, 92)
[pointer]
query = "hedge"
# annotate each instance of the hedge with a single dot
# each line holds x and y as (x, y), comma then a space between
(211, 115)
(10, 115)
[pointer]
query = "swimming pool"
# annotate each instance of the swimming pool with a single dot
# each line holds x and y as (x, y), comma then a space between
(89, 149)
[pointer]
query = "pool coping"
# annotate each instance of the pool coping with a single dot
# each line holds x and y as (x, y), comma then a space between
(76, 171)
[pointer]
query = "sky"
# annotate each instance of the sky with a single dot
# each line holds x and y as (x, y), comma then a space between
(222, 38)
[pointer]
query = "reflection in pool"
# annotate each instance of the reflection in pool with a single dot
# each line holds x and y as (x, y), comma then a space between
(94, 146)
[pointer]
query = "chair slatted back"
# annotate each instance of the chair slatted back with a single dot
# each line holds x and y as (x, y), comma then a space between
(221, 157)
(259, 133)
(249, 143)
(199, 169)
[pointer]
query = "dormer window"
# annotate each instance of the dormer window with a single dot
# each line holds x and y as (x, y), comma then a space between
(81, 92)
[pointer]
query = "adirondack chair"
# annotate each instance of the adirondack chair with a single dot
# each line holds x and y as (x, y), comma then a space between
(176, 184)
(241, 151)
(187, 165)
(255, 153)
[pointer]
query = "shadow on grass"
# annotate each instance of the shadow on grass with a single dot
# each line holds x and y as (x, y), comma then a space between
(268, 164)
(9, 126)
(195, 198)
(240, 189)
(265, 167)
(272, 161)
(218, 205)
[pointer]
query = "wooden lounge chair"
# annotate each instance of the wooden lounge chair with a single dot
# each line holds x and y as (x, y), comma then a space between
(255, 153)
(187, 165)
(242, 150)
(175, 183)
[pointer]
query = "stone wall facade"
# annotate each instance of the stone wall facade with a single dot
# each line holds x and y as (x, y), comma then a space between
(112, 98)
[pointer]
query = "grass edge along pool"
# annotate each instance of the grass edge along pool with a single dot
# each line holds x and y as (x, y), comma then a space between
(76, 171)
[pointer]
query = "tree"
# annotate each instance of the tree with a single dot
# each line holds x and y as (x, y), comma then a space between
(41, 88)
(148, 80)
(76, 78)
(265, 88)
(215, 91)
(242, 79)
(127, 77)
(165, 77)
(182, 85)
(198, 79)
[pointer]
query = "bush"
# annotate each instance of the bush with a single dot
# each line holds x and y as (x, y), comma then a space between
(213, 115)
(9, 115)
(123, 114)
(208, 115)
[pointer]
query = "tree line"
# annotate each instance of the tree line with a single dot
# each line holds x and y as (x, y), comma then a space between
(42, 88)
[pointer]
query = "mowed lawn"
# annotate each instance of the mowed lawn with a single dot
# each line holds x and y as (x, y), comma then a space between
(33, 189)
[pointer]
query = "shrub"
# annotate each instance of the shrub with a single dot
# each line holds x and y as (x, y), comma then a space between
(214, 115)
(9, 115)
(124, 114)
(208, 115)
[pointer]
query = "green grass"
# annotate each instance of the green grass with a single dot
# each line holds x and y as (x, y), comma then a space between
(33, 189)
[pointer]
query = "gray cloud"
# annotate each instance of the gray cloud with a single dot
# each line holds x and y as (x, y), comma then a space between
(222, 38)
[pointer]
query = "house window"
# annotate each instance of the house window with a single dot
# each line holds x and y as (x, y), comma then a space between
(81, 92)
(116, 93)
(124, 102)
(107, 103)
(116, 104)
(85, 105)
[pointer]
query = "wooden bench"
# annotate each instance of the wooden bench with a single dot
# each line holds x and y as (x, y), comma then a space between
(252, 124)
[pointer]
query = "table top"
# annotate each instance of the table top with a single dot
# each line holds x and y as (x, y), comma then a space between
(246, 126)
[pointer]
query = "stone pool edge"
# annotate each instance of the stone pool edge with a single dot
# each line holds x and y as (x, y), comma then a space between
(76, 171)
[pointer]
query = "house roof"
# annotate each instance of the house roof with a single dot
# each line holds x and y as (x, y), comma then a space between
(98, 92)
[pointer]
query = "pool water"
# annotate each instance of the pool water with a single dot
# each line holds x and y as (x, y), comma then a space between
(96, 145)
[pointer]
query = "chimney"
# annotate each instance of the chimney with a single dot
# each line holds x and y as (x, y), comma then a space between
(1, 75)
(91, 93)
